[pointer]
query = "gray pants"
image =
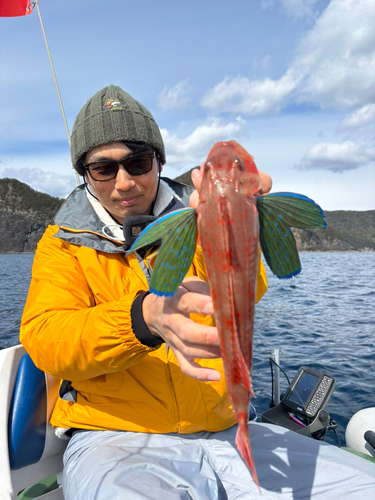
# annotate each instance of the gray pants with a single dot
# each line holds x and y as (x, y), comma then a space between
(106, 465)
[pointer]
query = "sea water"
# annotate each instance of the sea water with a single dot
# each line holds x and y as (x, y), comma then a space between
(15, 276)
(324, 319)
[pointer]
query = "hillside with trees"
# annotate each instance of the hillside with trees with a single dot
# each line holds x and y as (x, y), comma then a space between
(25, 214)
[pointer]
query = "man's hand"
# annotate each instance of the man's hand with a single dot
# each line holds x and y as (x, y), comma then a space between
(196, 177)
(168, 318)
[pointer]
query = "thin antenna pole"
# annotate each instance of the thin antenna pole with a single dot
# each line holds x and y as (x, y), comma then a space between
(36, 3)
(276, 357)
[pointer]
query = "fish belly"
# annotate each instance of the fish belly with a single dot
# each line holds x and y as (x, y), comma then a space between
(228, 228)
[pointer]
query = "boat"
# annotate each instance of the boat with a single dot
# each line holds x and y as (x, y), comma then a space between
(32, 456)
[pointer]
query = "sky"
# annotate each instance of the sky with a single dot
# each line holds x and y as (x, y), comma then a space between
(293, 81)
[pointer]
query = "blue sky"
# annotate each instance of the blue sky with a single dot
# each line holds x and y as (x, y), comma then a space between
(293, 81)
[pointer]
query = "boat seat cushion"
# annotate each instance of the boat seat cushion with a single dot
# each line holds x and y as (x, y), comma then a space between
(27, 416)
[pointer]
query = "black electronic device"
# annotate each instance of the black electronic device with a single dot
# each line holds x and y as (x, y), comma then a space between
(133, 226)
(309, 392)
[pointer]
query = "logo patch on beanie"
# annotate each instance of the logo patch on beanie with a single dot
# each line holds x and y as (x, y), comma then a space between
(113, 104)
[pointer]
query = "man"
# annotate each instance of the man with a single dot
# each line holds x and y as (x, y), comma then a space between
(143, 396)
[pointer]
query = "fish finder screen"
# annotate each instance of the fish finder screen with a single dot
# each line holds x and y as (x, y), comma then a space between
(303, 388)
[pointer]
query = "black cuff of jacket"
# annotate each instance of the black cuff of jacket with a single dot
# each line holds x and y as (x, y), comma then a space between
(139, 326)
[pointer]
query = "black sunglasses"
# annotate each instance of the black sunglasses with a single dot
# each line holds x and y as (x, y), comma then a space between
(106, 170)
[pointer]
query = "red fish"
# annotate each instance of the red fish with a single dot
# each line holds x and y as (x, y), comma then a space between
(232, 220)
(229, 234)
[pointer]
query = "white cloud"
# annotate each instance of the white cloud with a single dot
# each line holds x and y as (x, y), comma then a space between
(266, 4)
(40, 180)
(336, 157)
(250, 97)
(183, 154)
(334, 67)
(176, 98)
(337, 57)
(49, 174)
(298, 8)
(347, 191)
(362, 116)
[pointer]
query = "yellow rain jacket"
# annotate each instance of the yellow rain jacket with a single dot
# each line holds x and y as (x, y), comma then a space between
(77, 326)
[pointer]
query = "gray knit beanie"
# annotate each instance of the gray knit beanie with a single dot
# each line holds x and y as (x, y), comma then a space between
(113, 115)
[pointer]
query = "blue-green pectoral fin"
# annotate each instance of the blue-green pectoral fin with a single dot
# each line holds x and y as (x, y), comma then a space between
(178, 233)
(278, 212)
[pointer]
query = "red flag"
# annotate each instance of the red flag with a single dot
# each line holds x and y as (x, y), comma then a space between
(14, 8)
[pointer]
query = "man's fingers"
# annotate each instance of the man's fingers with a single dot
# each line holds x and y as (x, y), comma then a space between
(192, 369)
(196, 177)
(194, 339)
(266, 182)
(195, 284)
(196, 351)
(195, 302)
(169, 318)
(192, 296)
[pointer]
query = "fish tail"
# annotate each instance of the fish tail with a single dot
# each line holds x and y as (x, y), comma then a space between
(243, 445)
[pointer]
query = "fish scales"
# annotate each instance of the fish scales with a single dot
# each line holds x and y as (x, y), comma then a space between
(229, 234)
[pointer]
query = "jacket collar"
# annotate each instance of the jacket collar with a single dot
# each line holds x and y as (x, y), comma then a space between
(82, 223)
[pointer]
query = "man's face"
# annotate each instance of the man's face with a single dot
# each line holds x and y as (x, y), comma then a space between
(126, 194)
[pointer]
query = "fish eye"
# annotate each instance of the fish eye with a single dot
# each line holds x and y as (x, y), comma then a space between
(207, 165)
(239, 164)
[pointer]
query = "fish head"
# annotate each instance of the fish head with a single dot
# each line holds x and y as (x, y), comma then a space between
(228, 163)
